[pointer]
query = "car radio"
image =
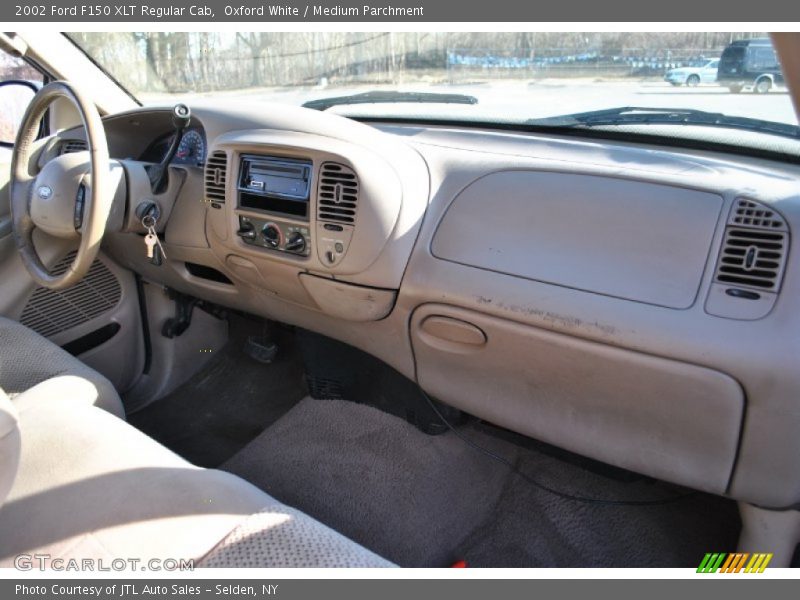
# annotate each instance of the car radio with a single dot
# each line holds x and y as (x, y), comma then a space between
(275, 185)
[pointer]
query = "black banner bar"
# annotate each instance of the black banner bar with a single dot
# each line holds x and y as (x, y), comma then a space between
(732, 588)
(410, 11)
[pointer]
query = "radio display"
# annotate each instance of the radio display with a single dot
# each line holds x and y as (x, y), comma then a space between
(275, 185)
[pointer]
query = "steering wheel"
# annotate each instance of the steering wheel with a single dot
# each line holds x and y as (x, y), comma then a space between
(48, 198)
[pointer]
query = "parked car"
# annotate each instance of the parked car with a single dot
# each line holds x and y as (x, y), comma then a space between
(691, 76)
(750, 64)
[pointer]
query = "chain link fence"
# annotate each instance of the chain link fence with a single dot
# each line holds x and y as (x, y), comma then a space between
(562, 63)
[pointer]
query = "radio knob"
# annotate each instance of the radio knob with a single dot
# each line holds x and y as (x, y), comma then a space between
(272, 235)
(296, 243)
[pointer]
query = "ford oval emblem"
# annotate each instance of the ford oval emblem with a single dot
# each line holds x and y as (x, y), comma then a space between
(45, 192)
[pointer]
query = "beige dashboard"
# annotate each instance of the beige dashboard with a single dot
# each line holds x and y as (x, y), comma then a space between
(634, 304)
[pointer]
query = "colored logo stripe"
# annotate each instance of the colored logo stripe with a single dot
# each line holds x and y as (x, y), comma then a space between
(735, 562)
(711, 562)
(758, 563)
(722, 562)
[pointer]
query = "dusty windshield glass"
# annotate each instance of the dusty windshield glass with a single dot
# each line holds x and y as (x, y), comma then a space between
(504, 77)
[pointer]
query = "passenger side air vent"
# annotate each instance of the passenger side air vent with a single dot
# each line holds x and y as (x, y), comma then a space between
(337, 193)
(752, 258)
(70, 146)
(753, 214)
(216, 176)
(751, 262)
(49, 312)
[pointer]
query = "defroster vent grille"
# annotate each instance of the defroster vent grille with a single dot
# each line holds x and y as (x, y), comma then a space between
(748, 213)
(49, 312)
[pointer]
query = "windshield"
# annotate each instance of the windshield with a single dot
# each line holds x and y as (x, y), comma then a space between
(505, 77)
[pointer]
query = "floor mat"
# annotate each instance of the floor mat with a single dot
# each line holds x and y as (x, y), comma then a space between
(424, 500)
(229, 402)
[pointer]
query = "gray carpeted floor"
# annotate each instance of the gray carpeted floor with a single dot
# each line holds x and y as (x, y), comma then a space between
(231, 400)
(424, 500)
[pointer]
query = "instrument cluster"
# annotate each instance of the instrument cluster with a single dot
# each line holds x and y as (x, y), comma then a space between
(191, 151)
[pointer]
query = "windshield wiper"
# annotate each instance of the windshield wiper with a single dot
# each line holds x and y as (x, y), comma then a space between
(637, 115)
(386, 97)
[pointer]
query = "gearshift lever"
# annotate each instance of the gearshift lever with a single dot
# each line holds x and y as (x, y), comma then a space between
(181, 116)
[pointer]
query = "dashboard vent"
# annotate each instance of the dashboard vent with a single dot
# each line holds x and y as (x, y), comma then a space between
(752, 258)
(337, 193)
(70, 146)
(216, 176)
(49, 312)
(749, 213)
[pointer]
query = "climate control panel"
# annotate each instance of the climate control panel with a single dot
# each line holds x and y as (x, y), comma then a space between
(274, 234)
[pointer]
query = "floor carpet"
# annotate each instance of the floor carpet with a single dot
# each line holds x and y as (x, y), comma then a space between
(423, 500)
(229, 402)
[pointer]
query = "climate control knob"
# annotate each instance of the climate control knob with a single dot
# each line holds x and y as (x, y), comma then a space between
(246, 231)
(272, 235)
(296, 243)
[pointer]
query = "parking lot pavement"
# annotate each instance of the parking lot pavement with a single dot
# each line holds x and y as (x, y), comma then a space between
(548, 98)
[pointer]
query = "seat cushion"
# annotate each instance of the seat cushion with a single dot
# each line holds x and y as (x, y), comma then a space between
(27, 359)
(280, 536)
(90, 485)
(9, 445)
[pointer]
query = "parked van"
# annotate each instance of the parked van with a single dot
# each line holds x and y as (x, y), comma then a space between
(750, 64)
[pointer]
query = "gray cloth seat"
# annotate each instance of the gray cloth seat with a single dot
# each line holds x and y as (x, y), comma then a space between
(28, 359)
(9, 445)
(89, 485)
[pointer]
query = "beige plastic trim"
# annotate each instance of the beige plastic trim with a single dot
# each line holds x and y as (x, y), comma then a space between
(395, 183)
(60, 58)
(348, 301)
(629, 239)
(387, 339)
(661, 417)
(760, 355)
(13, 44)
(787, 45)
(769, 531)
(174, 360)
(140, 190)
(380, 196)
(187, 223)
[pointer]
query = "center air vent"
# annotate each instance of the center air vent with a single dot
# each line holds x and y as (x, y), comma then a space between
(216, 176)
(337, 193)
(70, 146)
